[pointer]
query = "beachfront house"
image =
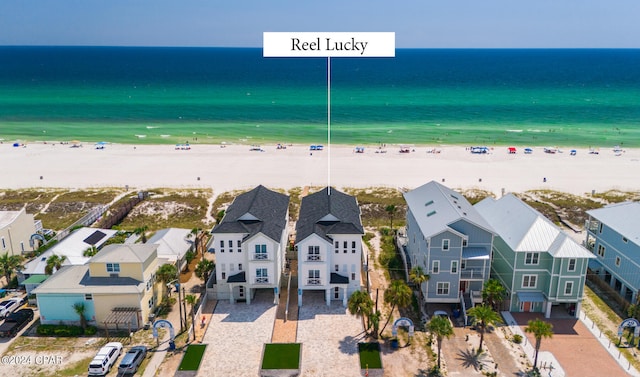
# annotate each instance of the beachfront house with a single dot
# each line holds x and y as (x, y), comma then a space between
(329, 245)
(16, 231)
(448, 238)
(250, 244)
(173, 245)
(541, 267)
(117, 287)
(613, 236)
(73, 248)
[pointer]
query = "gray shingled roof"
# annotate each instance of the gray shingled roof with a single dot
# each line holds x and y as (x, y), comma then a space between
(435, 207)
(76, 279)
(323, 214)
(257, 211)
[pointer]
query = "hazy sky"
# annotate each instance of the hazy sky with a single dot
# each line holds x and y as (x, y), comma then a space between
(417, 23)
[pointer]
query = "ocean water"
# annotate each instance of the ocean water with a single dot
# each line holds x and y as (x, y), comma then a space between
(210, 95)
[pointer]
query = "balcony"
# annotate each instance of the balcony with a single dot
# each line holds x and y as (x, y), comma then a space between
(262, 280)
(260, 256)
(471, 274)
(314, 281)
(313, 258)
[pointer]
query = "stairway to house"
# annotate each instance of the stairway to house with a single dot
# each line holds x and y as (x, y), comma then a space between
(285, 326)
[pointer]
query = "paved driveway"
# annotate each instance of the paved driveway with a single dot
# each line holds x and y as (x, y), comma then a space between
(575, 348)
(329, 337)
(236, 335)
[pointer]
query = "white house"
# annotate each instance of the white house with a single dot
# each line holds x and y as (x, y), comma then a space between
(16, 229)
(173, 245)
(250, 244)
(329, 245)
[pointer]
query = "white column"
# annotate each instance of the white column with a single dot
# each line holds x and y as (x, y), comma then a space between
(247, 292)
(578, 308)
(547, 313)
(327, 295)
(344, 297)
(231, 299)
(299, 297)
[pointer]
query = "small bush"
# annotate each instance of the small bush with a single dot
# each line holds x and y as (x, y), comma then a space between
(59, 330)
(517, 338)
(90, 330)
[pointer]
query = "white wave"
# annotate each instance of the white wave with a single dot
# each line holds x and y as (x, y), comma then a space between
(151, 127)
(140, 136)
(514, 130)
(165, 135)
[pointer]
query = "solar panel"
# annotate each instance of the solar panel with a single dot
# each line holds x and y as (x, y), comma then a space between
(94, 238)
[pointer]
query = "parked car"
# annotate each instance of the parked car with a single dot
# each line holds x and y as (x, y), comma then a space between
(15, 322)
(8, 306)
(132, 360)
(105, 359)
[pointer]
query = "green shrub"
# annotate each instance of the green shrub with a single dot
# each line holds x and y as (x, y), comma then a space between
(90, 330)
(59, 330)
(517, 338)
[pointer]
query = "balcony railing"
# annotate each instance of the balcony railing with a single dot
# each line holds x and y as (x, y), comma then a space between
(262, 280)
(314, 258)
(471, 273)
(313, 281)
(260, 256)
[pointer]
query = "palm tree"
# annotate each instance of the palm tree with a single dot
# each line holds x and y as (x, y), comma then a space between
(142, 231)
(192, 300)
(360, 304)
(418, 277)
(54, 263)
(440, 327)
(493, 293)
(483, 317)
(80, 308)
(196, 240)
(204, 268)
(91, 251)
(8, 264)
(540, 329)
(166, 274)
(391, 211)
(398, 294)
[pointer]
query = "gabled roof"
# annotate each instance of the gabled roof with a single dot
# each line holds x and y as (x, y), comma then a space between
(76, 280)
(72, 247)
(173, 243)
(328, 212)
(524, 229)
(257, 211)
(435, 207)
(125, 253)
(622, 218)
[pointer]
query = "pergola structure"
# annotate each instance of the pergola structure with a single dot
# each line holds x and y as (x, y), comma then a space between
(122, 316)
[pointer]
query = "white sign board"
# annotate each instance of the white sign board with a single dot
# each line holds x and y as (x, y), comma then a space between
(321, 44)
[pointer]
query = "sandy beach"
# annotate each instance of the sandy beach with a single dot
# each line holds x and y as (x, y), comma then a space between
(237, 167)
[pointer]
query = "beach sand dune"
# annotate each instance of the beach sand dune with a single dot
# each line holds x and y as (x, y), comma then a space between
(236, 167)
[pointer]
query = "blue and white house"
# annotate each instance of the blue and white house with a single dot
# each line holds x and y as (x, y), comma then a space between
(451, 241)
(613, 236)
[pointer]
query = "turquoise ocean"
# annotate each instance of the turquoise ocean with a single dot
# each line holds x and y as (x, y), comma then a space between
(554, 97)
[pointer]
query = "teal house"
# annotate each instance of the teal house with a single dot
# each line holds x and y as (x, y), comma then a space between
(540, 265)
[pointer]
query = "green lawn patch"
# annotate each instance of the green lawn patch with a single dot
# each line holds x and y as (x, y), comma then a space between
(281, 356)
(193, 356)
(370, 355)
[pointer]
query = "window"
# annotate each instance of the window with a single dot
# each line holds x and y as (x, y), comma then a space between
(151, 302)
(463, 264)
(314, 277)
(113, 267)
(239, 266)
(261, 252)
(464, 242)
(221, 244)
(617, 261)
(600, 228)
(224, 275)
(230, 243)
(435, 267)
(601, 250)
(353, 276)
(239, 243)
(568, 288)
(313, 253)
(531, 258)
(529, 281)
(337, 246)
(4, 244)
(625, 240)
(454, 266)
(22, 246)
(261, 275)
(336, 268)
(336, 293)
(572, 265)
(353, 247)
(88, 296)
(442, 288)
(445, 245)
(344, 245)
